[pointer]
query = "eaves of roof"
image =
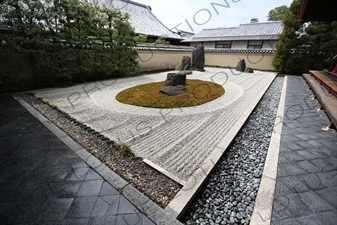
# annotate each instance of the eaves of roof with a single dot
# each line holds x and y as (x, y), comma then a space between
(256, 51)
(175, 48)
(250, 31)
(239, 38)
(143, 20)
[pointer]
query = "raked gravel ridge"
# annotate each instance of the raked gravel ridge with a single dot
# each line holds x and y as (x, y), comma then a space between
(177, 140)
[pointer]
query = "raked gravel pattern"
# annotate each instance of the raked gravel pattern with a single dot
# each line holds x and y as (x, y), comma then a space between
(230, 193)
(178, 140)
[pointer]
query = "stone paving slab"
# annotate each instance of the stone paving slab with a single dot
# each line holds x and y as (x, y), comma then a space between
(306, 180)
(177, 140)
(42, 181)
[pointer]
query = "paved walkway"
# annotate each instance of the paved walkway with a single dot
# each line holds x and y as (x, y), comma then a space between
(152, 133)
(306, 184)
(43, 182)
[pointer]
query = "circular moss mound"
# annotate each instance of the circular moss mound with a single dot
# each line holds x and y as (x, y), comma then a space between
(147, 95)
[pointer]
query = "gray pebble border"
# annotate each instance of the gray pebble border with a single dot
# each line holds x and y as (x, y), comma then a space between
(229, 195)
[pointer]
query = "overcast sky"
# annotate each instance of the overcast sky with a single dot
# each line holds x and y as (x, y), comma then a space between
(201, 14)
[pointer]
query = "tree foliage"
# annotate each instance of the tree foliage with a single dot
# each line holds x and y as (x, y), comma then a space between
(277, 13)
(141, 38)
(254, 20)
(161, 41)
(303, 46)
(69, 40)
(290, 36)
(321, 43)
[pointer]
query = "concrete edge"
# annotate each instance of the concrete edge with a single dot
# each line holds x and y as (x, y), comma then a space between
(138, 199)
(179, 205)
(165, 172)
(262, 212)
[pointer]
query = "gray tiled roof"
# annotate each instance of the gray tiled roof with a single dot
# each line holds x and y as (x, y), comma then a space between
(190, 49)
(143, 20)
(249, 31)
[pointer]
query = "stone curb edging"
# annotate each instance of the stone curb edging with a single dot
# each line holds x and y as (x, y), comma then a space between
(143, 203)
(179, 205)
(263, 207)
(165, 172)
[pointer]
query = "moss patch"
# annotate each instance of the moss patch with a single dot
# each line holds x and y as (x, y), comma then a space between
(147, 95)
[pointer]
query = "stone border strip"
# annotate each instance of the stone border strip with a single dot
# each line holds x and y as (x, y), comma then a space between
(179, 205)
(143, 203)
(165, 172)
(263, 207)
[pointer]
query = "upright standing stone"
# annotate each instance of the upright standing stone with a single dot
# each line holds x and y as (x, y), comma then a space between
(198, 57)
(186, 63)
(241, 66)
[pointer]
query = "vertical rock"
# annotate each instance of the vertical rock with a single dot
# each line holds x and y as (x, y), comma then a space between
(241, 66)
(186, 63)
(198, 58)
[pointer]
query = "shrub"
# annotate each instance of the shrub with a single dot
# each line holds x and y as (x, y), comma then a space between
(161, 41)
(69, 39)
(9, 78)
(123, 147)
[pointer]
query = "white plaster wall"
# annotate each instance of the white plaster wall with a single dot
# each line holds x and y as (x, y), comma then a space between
(239, 44)
(269, 45)
(209, 44)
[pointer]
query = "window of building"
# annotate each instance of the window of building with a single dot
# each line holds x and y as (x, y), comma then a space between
(223, 44)
(255, 44)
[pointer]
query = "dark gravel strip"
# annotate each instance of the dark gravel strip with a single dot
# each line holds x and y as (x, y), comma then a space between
(147, 180)
(229, 195)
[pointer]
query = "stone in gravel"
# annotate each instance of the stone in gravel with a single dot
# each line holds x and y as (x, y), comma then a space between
(173, 90)
(174, 79)
(256, 175)
(186, 63)
(241, 66)
(238, 215)
(198, 57)
(232, 220)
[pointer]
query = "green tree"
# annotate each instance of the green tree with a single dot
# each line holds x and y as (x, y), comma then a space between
(321, 43)
(141, 38)
(161, 41)
(254, 20)
(290, 36)
(277, 13)
(69, 39)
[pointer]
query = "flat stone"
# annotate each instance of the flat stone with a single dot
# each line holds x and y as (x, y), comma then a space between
(173, 90)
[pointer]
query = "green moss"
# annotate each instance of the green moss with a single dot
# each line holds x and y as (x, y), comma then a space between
(147, 95)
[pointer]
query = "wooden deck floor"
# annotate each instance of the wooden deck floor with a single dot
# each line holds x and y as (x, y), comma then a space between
(324, 86)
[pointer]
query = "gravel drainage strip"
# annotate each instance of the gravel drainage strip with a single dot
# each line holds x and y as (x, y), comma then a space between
(229, 195)
(156, 186)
